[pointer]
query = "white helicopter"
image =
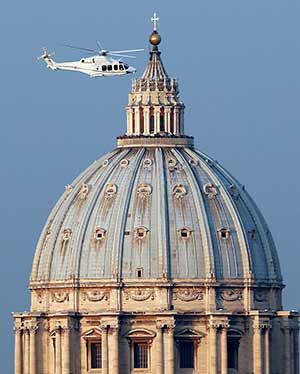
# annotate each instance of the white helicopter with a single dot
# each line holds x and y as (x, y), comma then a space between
(97, 65)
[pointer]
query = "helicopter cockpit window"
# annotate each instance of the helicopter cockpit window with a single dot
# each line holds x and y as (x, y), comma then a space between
(103, 67)
(109, 67)
(126, 66)
(121, 67)
(115, 67)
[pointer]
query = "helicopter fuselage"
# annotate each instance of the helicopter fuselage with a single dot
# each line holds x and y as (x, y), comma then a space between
(94, 66)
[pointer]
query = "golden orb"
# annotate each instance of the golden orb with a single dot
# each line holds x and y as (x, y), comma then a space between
(155, 38)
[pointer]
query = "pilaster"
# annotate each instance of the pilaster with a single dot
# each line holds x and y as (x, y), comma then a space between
(169, 347)
(18, 348)
(33, 327)
(159, 349)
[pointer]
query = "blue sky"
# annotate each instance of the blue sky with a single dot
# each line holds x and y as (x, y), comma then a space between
(238, 68)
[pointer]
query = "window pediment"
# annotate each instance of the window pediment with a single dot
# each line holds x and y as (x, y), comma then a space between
(140, 334)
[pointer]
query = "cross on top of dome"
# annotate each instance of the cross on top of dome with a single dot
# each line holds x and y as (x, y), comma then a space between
(155, 20)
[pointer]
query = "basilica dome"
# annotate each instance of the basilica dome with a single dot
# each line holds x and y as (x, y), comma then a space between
(168, 213)
(156, 260)
(155, 207)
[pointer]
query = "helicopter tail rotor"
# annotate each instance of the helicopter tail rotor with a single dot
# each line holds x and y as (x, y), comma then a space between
(45, 55)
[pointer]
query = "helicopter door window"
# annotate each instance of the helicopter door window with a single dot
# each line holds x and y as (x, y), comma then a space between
(121, 67)
(109, 67)
(115, 67)
(103, 67)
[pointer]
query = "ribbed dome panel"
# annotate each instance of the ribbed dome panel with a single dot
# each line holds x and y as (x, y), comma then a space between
(160, 213)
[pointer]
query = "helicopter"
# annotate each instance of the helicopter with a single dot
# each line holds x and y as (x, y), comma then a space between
(99, 64)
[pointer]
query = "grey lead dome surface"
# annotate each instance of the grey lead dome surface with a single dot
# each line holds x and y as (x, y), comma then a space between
(155, 213)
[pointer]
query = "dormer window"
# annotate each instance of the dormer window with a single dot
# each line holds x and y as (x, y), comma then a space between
(99, 234)
(110, 190)
(144, 190)
(179, 191)
(139, 272)
(224, 233)
(84, 190)
(140, 233)
(67, 235)
(210, 190)
(252, 234)
(184, 233)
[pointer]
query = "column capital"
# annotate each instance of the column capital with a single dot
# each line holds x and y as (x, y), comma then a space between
(261, 324)
(218, 323)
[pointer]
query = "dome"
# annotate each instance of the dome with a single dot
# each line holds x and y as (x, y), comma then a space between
(163, 213)
(155, 259)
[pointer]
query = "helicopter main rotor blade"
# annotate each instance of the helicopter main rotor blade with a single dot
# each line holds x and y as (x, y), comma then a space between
(128, 50)
(119, 55)
(99, 45)
(80, 48)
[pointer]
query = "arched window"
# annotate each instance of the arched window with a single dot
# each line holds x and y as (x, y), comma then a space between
(162, 120)
(151, 120)
(142, 128)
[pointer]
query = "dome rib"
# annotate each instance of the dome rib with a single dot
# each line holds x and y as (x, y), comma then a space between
(164, 261)
(237, 222)
(78, 256)
(118, 244)
(204, 227)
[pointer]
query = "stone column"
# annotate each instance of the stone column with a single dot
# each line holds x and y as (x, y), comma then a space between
(156, 119)
(169, 350)
(257, 349)
(168, 119)
(32, 332)
(181, 124)
(129, 121)
(159, 350)
(176, 120)
(296, 350)
(213, 348)
(115, 349)
(137, 120)
(287, 349)
(224, 363)
(18, 350)
(267, 350)
(26, 352)
(58, 350)
(104, 350)
(66, 350)
(147, 121)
